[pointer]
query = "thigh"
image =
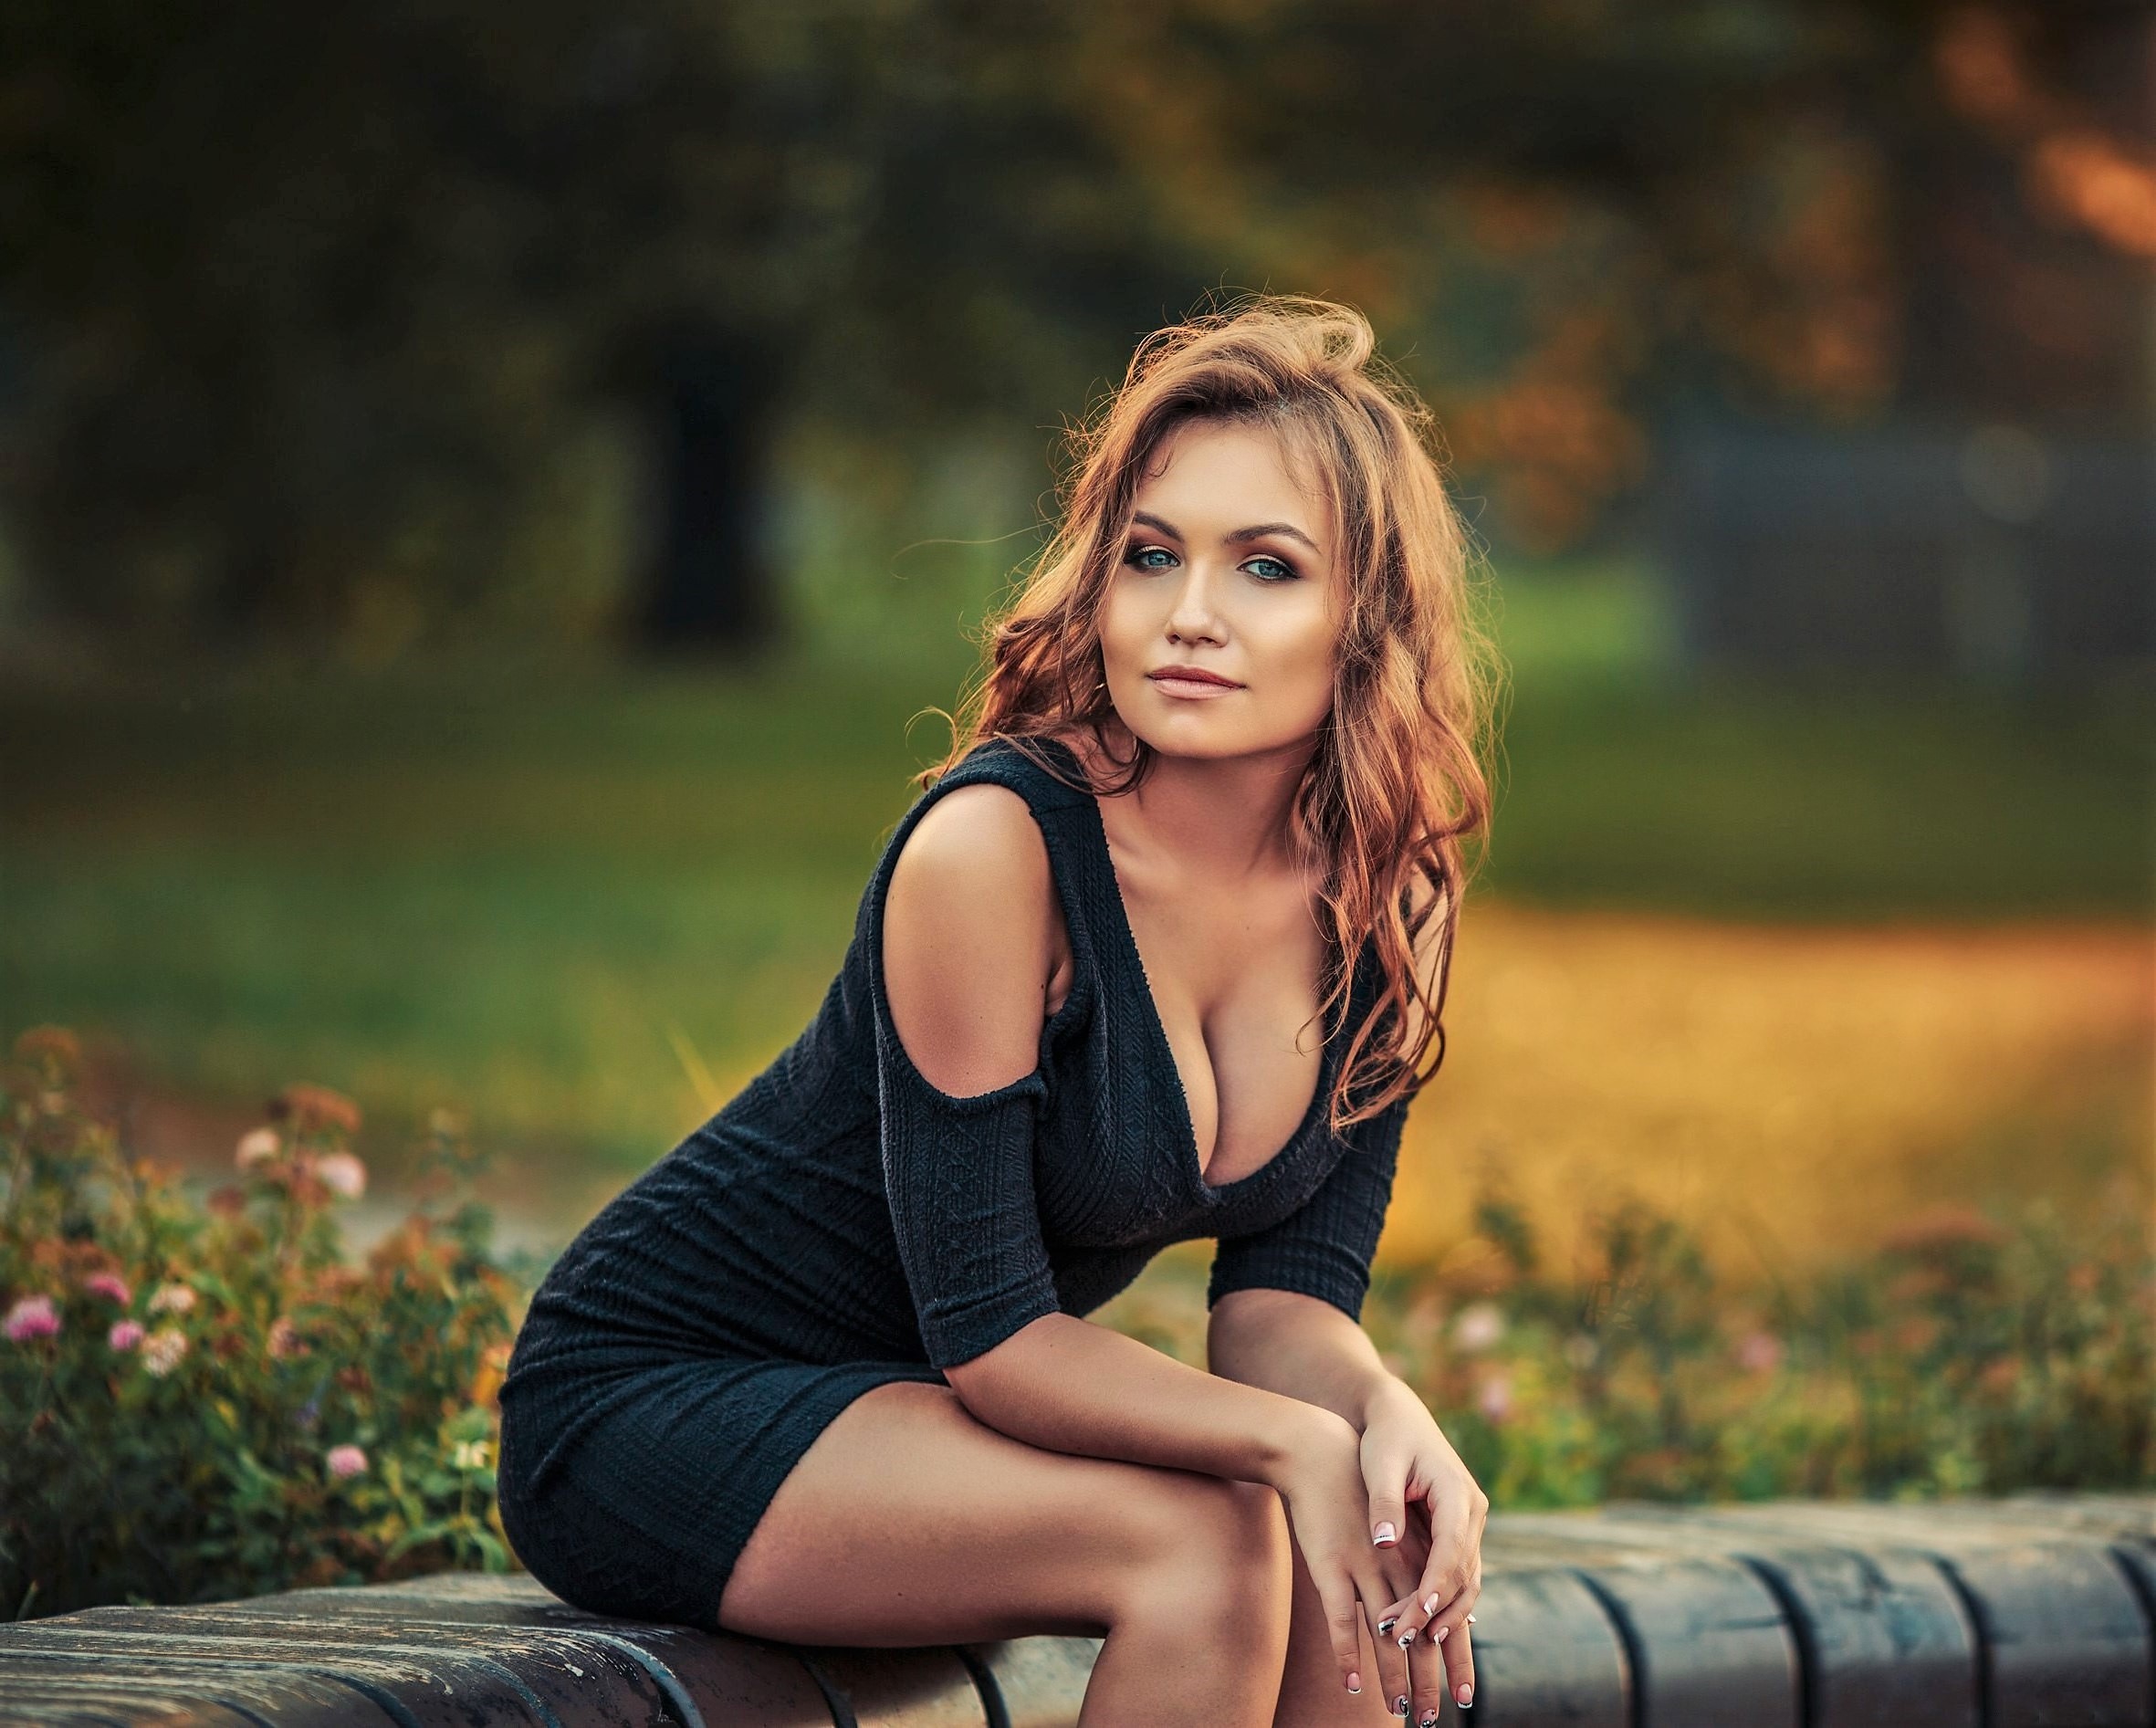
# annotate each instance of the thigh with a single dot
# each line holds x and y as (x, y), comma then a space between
(909, 1520)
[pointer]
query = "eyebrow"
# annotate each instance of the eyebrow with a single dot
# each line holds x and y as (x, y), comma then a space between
(1240, 537)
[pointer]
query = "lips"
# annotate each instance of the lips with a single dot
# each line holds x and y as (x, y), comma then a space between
(1191, 674)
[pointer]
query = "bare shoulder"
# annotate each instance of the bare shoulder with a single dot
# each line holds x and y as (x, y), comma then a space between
(970, 924)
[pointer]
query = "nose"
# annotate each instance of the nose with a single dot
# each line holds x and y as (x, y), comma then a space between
(1193, 616)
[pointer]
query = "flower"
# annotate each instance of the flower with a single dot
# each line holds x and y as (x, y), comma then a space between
(1759, 1352)
(284, 1338)
(32, 1318)
(172, 1299)
(125, 1334)
(342, 1174)
(111, 1285)
(1494, 1396)
(162, 1349)
(1479, 1327)
(470, 1455)
(311, 1107)
(258, 1146)
(346, 1462)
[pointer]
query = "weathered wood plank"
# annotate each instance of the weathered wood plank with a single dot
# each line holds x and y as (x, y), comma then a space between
(1882, 1639)
(2065, 1636)
(1706, 1639)
(449, 1690)
(1546, 1650)
(39, 1691)
(723, 1677)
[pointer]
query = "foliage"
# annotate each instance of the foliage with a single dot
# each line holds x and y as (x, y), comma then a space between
(1968, 1356)
(203, 1399)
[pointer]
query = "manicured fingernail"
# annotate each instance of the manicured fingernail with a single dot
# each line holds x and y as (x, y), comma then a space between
(1406, 1638)
(1399, 1705)
(1386, 1532)
(1467, 1695)
(1386, 1624)
(1355, 1682)
(1442, 1631)
(1429, 1603)
(1470, 1619)
(1429, 1718)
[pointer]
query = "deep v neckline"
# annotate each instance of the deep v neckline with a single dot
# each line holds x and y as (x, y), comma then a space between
(1156, 1029)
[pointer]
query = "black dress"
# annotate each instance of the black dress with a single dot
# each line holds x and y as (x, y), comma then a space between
(841, 1222)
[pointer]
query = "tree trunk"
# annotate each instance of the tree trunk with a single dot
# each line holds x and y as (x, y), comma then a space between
(710, 586)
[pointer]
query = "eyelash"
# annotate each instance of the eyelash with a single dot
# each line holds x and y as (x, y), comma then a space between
(1135, 553)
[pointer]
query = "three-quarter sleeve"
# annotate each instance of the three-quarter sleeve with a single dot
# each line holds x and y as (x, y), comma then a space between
(1324, 1248)
(959, 1176)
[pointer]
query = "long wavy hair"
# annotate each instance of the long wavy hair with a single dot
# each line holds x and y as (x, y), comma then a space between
(1394, 784)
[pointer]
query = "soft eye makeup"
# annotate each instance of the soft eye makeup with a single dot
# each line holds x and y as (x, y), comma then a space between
(1287, 572)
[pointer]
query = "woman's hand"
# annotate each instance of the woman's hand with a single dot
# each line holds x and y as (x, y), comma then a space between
(1407, 1464)
(1321, 1483)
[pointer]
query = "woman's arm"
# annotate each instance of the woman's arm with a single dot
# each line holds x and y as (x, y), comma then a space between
(1300, 1348)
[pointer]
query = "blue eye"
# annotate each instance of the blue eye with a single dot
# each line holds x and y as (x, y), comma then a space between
(1139, 552)
(1286, 570)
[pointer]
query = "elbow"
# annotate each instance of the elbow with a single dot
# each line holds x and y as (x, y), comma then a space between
(994, 1381)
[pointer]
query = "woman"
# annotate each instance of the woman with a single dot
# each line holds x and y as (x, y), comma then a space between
(822, 1374)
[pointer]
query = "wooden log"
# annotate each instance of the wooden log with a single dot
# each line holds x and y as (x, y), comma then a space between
(1705, 1639)
(39, 1689)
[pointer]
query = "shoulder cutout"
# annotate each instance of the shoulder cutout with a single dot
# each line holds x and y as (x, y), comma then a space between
(969, 940)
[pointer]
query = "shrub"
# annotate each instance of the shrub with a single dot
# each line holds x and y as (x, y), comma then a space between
(1967, 1355)
(203, 1399)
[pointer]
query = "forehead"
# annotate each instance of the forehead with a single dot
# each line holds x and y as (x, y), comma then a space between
(1214, 470)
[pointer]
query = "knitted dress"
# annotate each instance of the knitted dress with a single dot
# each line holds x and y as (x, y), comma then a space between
(841, 1222)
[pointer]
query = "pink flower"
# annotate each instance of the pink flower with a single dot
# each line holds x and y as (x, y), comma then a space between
(172, 1299)
(1479, 1327)
(1759, 1352)
(111, 1285)
(125, 1334)
(284, 1338)
(32, 1318)
(163, 1350)
(259, 1146)
(1494, 1398)
(342, 1174)
(346, 1462)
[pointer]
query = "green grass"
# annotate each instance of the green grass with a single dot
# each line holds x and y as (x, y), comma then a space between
(580, 900)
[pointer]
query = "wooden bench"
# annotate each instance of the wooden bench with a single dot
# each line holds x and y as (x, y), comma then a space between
(2032, 1609)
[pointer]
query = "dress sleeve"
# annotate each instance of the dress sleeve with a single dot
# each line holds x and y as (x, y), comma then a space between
(1325, 1246)
(959, 1176)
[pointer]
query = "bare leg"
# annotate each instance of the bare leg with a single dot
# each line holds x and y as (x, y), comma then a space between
(910, 1521)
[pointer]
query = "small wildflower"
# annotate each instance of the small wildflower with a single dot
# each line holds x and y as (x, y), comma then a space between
(307, 1415)
(163, 1350)
(470, 1455)
(32, 1318)
(1480, 1325)
(284, 1338)
(173, 1298)
(342, 1174)
(125, 1334)
(1759, 1352)
(110, 1285)
(1494, 1398)
(314, 1108)
(346, 1462)
(258, 1146)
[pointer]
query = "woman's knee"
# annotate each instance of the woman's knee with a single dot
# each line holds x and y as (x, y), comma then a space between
(1215, 1552)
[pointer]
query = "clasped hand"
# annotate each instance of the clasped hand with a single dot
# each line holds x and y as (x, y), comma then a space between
(1414, 1591)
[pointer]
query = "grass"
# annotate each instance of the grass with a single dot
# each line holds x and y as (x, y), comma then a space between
(585, 903)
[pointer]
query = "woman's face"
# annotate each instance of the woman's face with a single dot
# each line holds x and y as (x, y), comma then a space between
(1227, 565)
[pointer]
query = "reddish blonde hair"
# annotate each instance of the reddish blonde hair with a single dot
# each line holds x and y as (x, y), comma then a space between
(1394, 783)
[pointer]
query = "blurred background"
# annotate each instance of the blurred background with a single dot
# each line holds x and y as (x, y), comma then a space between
(487, 497)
